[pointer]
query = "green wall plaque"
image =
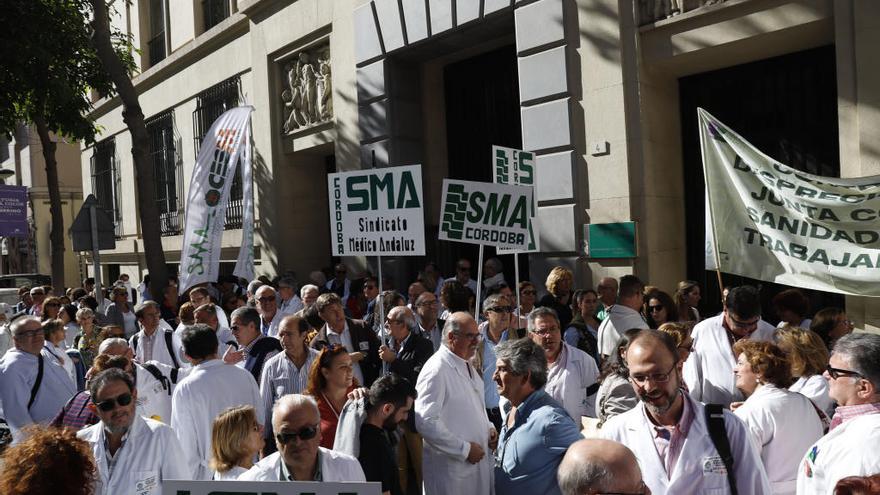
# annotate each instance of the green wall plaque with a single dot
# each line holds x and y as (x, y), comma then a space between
(610, 240)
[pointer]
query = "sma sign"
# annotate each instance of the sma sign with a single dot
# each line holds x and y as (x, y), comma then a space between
(517, 167)
(377, 212)
(488, 214)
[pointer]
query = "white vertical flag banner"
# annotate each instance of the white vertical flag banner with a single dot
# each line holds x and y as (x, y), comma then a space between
(517, 167)
(226, 141)
(774, 223)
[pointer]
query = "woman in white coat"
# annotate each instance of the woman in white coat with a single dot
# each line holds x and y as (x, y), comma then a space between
(807, 358)
(782, 424)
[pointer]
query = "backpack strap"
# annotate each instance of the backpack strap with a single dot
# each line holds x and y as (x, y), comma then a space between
(170, 346)
(718, 433)
(134, 342)
(38, 381)
(157, 374)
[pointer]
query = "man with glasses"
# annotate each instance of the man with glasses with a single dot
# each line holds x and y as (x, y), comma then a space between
(572, 374)
(296, 422)
(852, 446)
(133, 454)
(254, 348)
(156, 340)
(463, 275)
(669, 431)
(451, 415)
(199, 296)
(496, 328)
(290, 301)
(267, 306)
(38, 295)
(356, 336)
(33, 388)
(430, 326)
(708, 371)
(596, 466)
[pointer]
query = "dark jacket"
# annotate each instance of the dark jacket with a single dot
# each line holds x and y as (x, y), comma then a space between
(257, 357)
(416, 352)
(364, 340)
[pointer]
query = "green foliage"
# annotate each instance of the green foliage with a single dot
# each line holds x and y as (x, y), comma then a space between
(48, 65)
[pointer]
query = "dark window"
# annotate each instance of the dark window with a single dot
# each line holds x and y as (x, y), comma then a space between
(166, 171)
(211, 103)
(156, 45)
(214, 12)
(105, 181)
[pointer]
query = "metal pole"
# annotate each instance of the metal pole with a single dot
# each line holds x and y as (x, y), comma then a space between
(381, 303)
(96, 258)
(477, 312)
(516, 283)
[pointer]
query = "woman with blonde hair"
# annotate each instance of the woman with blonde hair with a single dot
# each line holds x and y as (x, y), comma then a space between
(236, 439)
(681, 334)
(558, 283)
(687, 297)
(782, 424)
(807, 356)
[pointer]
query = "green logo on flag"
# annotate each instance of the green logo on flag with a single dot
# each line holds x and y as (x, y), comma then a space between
(454, 212)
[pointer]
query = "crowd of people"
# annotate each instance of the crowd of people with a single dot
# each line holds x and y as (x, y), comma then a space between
(624, 388)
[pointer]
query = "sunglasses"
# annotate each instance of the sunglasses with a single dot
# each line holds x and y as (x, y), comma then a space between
(307, 433)
(266, 299)
(110, 404)
(837, 372)
(655, 308)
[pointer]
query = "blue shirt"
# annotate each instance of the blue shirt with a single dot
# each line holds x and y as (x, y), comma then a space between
(529, 453)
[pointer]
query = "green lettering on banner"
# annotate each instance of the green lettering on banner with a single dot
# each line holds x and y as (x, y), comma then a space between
(520, 214)
(352, 191)
(377, 185)
(475, 213)
(496, 210)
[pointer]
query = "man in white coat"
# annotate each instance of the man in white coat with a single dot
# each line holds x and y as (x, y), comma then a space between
(622, 316)
(852, 446)
(708, 372)
(669, 433)
(571, 373)
(296, 422)
(199, 398)
(156, 340)
(451, 416)
(133, 454)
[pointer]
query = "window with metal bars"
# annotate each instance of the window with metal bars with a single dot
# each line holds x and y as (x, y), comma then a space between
(210, 104)
(214, 11)
(105, 181)
(166, 172)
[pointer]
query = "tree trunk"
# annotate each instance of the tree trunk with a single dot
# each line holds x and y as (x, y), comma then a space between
(133, 117)
(56, 234)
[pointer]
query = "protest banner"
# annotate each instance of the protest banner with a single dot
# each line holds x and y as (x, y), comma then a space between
(774, 223)
(485, 214)
(377, 212)
(181, 487)
(13, 211)
(517, 167)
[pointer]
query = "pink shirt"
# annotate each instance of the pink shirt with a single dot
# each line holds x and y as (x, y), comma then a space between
(670, 439)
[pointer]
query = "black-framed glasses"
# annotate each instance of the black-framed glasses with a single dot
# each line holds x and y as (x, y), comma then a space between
(110, 404)
(307, 433)
(837, 372)
(654, 309)
(641, 379)
(266, 299)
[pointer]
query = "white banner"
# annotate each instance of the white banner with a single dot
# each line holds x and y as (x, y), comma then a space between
(377, 212)
(228, 138)
(483, 213)
(773, 223)
(517, 167)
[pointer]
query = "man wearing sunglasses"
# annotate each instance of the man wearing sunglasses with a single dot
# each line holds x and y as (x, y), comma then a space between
(463, 275)
(708, 371)
(852, 446)
(33, 388)
(133, 454)
(296, 423)
(267, 306)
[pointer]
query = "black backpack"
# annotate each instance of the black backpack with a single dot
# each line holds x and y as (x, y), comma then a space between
(168, 344)
(164, 380)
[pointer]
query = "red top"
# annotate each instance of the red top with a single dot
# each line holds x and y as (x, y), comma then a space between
(329, 420)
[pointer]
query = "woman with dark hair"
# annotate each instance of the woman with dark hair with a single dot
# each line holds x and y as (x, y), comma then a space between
(858, 485)
(792, 308)
(831, 324)
(583, 331)
(120, 311)
(616, 395)
(687, 297)
(49, 461)
(53, 333)
(330, 380)
(782, 424)
(71, 328)
(660, 309)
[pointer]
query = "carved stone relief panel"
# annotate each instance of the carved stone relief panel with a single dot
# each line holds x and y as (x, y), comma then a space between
(308, 89)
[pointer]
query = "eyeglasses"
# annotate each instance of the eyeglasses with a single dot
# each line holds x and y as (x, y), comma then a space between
(266, 299)
(29, 334)
(110, 404)
(655, 309)
(656, 377)
(546, 331)
(307, 433)
(501, 309)
(837, 372)
(528, 292)
(427, 303)
(745, 325)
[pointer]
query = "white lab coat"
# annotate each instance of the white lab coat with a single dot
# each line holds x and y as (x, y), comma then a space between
(708, 371)
(815, 388)
(782, 424)
(451, 413)
(199, 398)
(153, 401)
(569, 385)
(851, 449)
(335, 466)
(699, 468)
(160, 349)
(619, 319)
(150, 455)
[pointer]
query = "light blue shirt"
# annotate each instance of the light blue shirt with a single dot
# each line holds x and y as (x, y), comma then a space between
(529, 453)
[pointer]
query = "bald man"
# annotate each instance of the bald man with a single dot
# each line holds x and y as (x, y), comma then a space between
(607, 290)
(599, 466)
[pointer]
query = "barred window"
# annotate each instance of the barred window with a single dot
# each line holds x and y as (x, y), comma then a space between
(166, 171)
(214, 11)
(105, 181)
(211, 103)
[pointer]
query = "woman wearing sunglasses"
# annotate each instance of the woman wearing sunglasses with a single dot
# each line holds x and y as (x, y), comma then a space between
(660, 309)
(236, 439)
(330, 381)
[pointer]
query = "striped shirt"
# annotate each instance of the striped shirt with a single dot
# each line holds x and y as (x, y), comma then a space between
(281, 377)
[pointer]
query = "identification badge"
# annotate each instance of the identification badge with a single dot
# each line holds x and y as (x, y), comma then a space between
(713, 464)
(147, 485)
(365, 346)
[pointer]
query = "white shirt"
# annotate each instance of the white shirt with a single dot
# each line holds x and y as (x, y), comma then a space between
(782, 425)
(159, 348)
(450, 413)
(848, 450)
(435, 335)
(150, 454)
(345, 339)
(815, 388)
(154, 399)
(281, 377)
(199, 398)
(699, 469)
(619, 319)
(708, 371)
(335, 466)
(60, 358)
(231, 475)
(290, 306)
(568, 380)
